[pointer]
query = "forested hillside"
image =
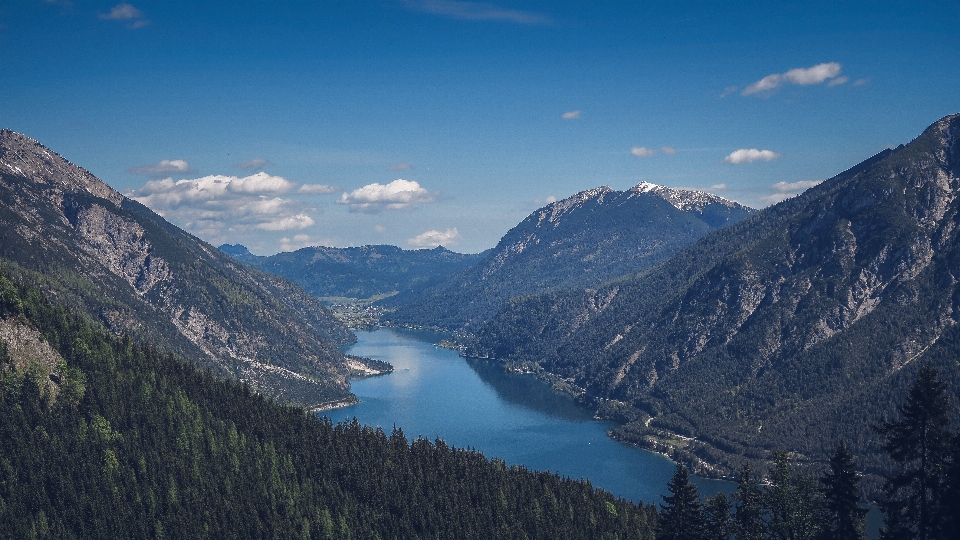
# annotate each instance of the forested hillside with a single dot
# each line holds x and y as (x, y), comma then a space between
(89, 247)
(791, 329)
(104, 438)
(359, 272)
(582, 241)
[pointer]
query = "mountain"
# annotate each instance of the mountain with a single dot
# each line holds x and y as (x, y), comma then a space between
(92, 249)
(799, 326)
(358, 272)
(102, 438)
(582, 241)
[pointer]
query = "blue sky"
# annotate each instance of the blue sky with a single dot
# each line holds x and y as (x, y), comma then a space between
(416, 122)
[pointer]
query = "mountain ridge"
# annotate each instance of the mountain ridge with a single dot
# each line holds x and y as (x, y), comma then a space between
(358, 272)
(584, 240)
(751, 338)
(97, 251)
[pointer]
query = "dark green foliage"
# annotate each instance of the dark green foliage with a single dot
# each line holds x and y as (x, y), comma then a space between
(749, 511)
(920, 444)
(359, 272)
(718, 518)
(154, 448)
(794, 503)
(951, 498)
(792, 329)
(841, 493)
(681, 517)
(89, 248)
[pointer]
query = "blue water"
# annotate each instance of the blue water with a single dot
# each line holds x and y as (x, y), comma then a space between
(435, 393)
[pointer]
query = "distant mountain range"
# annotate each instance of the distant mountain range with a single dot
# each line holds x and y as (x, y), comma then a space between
(793, 329)
(712, 332)
(96, 251)
(582, 241)
(358, 272)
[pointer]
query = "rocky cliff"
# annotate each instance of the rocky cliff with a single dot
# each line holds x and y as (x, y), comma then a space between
(582, 241)
(90, 247)
(792, 329)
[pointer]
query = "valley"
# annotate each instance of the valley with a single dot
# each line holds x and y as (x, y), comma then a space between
(690, 326)
(479, 269)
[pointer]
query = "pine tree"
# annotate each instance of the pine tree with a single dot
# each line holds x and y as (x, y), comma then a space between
(793, 501)
(718, 518)
(841, 492)
(681, 518)
(951, 499)
(919, 443)
(748, 516)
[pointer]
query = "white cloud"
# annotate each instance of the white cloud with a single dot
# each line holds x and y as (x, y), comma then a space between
(214, 205)
(570, 115)
(126, 12)
(860, 82)
(749, 155)
(435, 238)
(169, 194)
(767, 83)
(549, 199)
(400, 167)
(785, 190)
(813, 75)
(838, 81)
(476, 11)
(717, 187)
(640, 151)
(162, 168)
(317, 189)
(258, 183)
(298, 241)
(794, 187)
(303, 240)
(802, 76)
(728, 90)
(122, 12)
(253, 164)
(397, 195)
(669, 150)
(299, 221)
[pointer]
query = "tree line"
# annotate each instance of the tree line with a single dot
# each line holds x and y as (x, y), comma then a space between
(119, 440)
(921, 495)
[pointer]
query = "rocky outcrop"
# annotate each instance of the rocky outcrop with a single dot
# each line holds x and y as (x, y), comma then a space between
(582, 241)
(93, 249)
(808, 314)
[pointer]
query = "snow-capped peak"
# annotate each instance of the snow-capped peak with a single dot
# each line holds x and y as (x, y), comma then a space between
(645, 187)
(683, 199)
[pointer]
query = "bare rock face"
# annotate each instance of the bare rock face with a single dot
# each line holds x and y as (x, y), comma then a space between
(582, 241)
(811, 311)
(112, 258)
(24, 157)
(121, 245)
(28, 351)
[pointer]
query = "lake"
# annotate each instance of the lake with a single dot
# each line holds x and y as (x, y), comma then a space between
(435, 393)
(471, 403)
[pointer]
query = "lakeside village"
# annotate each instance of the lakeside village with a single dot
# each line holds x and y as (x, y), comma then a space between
(356, 313)
(360, 314)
